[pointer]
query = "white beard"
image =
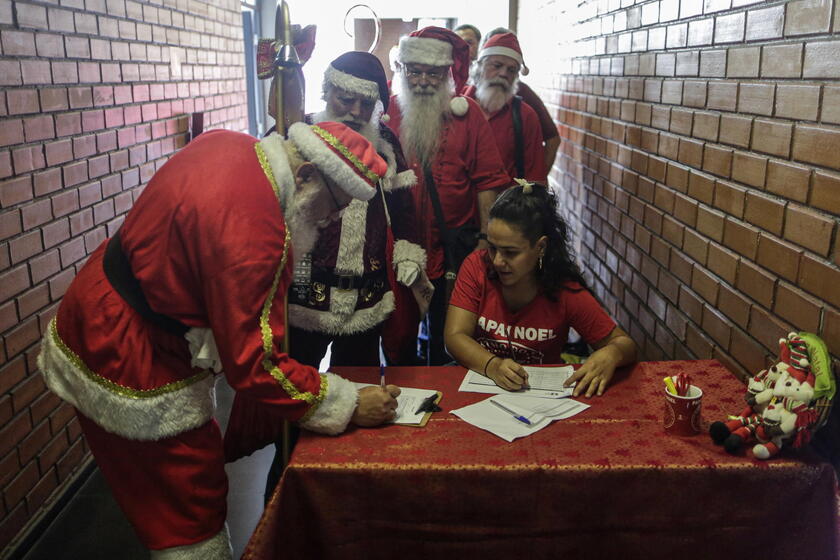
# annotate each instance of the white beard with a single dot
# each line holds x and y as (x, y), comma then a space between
(301, 225)
(369, 130)
(422, 117)
(493, 94)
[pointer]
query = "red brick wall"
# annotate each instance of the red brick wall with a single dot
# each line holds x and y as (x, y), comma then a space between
(93, 99)
(699, 165)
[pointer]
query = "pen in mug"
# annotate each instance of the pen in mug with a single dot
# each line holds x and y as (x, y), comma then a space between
(511, 412)
(382, 375)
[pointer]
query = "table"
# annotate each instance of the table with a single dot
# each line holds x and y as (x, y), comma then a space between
(607, 483)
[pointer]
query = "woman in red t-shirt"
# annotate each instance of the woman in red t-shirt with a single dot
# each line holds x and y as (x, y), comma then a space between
(514, 303)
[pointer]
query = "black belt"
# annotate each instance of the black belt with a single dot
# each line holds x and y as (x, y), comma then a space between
(118, 271)
(347, 281)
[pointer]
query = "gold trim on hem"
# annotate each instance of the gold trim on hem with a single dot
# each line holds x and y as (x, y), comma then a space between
(116, 388)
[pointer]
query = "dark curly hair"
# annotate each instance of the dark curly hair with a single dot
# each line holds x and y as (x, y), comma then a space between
(534, 214)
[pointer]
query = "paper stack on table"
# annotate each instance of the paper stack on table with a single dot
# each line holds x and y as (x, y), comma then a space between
(512, 416)
(407, 403)
(545, 382)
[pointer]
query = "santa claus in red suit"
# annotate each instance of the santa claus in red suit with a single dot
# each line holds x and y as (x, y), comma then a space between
(445, 137)
(193, 284)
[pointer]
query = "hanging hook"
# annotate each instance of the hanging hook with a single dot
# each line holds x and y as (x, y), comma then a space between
(377, 25)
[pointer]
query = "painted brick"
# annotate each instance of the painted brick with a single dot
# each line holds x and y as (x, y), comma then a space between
(765, 24)
(743, 62)
(701, 187)
(831, 103)
(808, 16)
(756, 98)
(765, 212)
(822, 59)
(788, 180)
(809, 229)
(741, 238)
(779, 256)
(825, 193)
(756, 283)
(798, 102)
(751, 355)
(773, 137)
(15, 191)
(22, 101)
(730, 28)
(735, 130)
(797, 307)
(749, 169)
(817, 145)
(820, 279)
(781, 61)
(717, 160)
(723, 95)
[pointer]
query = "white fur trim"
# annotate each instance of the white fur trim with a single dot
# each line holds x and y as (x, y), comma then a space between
(424, 50)
(459, 106)
(503, 51)
(334, 413)
(403, 180)
(351, 243)
(329, 323)
(278, 160)
(408, 251)
(143, 419)
(316, 151)
(351, 83)
(215, 548)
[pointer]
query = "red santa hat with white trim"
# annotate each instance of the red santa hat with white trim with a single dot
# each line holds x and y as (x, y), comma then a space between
(505, 44)
(436, 46)
(794, 353)
(342, 154)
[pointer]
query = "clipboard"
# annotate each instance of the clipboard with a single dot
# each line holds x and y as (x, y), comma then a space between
(425, 420)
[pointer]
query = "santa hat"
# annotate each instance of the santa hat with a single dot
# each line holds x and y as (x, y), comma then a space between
(505, 44)
(437, 46)
(360, 73)
(342, 154)
(794, 352)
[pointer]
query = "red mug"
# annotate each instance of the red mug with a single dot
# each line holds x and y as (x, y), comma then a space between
(682, 414)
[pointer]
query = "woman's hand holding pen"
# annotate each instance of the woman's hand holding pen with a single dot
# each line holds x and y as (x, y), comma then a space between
(507, 374)
(376, 405)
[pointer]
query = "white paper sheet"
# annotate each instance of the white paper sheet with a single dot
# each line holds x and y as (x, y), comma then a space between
(545, 382)
(407, 403)
(539, 411)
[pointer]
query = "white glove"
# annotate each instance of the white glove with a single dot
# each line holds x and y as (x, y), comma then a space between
(407, 272)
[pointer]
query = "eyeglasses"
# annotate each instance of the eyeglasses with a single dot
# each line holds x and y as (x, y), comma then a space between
(431, 75)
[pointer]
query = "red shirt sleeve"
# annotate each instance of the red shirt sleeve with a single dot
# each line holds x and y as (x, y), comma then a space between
(469, 285)
(585, 314)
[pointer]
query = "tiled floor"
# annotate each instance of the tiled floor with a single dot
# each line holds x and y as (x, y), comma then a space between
(92, 526)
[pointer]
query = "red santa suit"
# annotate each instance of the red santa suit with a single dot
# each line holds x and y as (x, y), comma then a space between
(209, 246)
(467, 162)
(501, 123)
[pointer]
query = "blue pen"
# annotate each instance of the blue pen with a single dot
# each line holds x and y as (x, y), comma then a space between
(514, 414)
(382, 376)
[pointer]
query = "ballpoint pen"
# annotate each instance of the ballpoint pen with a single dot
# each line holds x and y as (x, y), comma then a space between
(509, 411)
(382, 375)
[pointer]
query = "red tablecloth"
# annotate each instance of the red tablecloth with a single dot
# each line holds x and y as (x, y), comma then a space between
(607, 483)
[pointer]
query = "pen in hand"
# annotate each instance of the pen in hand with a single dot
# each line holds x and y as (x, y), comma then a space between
(511, 412)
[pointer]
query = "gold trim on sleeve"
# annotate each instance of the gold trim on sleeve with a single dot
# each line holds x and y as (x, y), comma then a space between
(265, 326)
(333, 141)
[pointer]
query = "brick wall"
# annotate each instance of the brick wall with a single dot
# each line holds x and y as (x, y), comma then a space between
(699, 165)
(93, 99)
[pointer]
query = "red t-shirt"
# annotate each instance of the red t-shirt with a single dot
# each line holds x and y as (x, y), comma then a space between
(536, 333)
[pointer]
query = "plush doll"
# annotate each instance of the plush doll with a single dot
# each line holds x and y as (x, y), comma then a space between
(791, 405)
(732, 433)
